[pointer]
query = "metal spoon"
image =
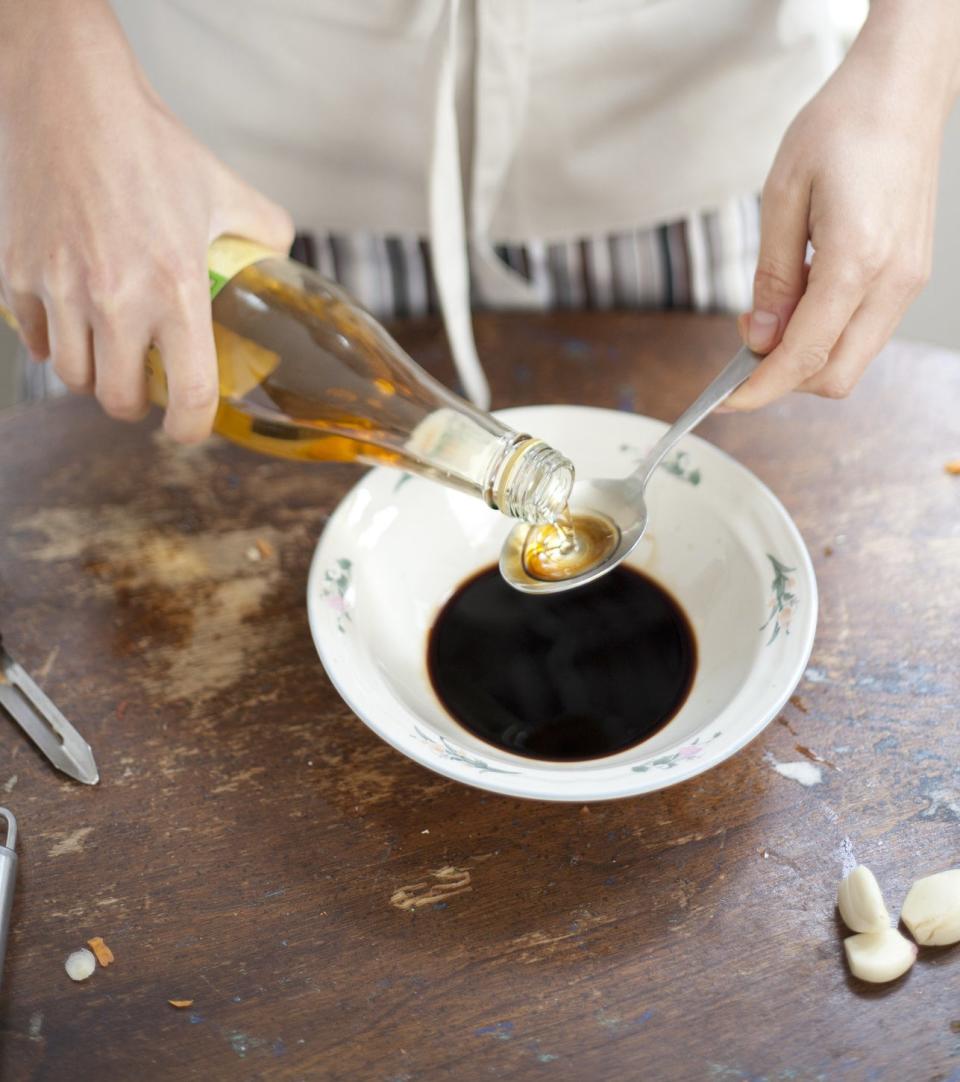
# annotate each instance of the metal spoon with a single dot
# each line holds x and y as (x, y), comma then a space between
(621, 500)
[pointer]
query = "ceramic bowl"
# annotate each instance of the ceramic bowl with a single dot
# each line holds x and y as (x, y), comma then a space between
(720, 542)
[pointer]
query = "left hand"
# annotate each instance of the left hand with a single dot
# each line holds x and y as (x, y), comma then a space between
(856, 176)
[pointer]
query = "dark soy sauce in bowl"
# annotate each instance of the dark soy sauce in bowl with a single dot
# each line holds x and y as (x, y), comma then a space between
(575, 675)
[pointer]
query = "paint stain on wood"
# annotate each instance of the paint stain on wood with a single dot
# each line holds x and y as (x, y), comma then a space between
(45, 669)
(35, 1029)
(70, 843)
(447, 882)
(810, 754)
(807, 774)
(237, 780)
(187, 603)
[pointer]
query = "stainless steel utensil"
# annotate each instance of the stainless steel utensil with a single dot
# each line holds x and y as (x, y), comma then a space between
(8, 876)
(43, 723)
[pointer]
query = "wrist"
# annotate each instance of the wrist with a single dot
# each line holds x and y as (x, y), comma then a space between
(915, 47)
(40, 36)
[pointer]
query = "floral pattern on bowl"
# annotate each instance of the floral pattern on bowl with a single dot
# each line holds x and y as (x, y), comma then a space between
(441, 746)
(679, 464)
(336, 590)
(673, 759)
(783, 602)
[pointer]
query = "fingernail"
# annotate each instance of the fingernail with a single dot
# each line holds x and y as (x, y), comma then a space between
(762, 331)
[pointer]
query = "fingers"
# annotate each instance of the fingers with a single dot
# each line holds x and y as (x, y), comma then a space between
(71, 345)
(98, 313)
(185, 342)
(121, 384)
(834, 292)
(867, 333)
(780, 277)
(29, 313)
(244, 211)
(902, 278)
(110, 357)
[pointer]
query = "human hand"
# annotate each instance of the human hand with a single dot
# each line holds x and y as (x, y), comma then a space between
(107, 208)
(856, 176)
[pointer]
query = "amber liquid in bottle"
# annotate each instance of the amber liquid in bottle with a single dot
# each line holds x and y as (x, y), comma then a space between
(289, 344)
(306, 374)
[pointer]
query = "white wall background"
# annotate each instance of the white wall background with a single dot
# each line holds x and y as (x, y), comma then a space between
(935, 315)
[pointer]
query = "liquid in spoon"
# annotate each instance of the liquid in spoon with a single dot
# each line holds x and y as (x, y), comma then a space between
(575, 543)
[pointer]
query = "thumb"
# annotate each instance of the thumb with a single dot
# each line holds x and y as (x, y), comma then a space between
(244, 211)
(780, 278)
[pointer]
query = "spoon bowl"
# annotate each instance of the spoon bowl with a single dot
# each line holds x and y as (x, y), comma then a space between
(608, 499)
(620, 500)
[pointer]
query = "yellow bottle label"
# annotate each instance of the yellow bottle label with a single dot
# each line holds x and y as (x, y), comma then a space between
(229, 255)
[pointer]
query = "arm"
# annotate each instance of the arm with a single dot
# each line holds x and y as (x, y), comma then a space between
(107, 206)
(856, 175)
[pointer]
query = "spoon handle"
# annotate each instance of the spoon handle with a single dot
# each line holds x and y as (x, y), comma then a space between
(739, 369)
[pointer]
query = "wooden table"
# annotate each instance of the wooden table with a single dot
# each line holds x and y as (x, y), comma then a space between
(248, 834)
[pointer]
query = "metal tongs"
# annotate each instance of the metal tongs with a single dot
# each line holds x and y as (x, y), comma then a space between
(43, 723)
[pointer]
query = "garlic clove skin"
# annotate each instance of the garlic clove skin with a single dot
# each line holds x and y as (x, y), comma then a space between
(860, 902)
(878, 957)
(932, 909)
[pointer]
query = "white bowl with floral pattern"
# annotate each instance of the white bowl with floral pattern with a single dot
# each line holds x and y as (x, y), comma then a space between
(721, 543)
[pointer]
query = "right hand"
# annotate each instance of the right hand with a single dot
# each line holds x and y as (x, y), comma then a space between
(107, 208)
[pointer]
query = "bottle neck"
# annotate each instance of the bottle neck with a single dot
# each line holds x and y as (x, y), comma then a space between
(529, 480)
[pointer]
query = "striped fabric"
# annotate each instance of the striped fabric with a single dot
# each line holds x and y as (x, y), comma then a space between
(704, 262)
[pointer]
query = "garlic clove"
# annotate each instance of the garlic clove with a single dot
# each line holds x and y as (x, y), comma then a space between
(932, 909)
(861, 903)
(878, 957)
(80, 964)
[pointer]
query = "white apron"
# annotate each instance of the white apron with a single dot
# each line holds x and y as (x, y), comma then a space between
(475, 122)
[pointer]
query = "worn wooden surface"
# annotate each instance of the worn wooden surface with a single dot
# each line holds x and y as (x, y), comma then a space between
(248, 834)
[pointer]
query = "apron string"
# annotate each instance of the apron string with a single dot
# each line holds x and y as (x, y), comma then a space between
(448, 246)
(502, 90)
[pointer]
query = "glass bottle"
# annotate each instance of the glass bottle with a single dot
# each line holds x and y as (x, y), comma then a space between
(305, 373)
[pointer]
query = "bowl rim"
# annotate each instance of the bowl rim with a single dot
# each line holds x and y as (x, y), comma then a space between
(642, 783)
